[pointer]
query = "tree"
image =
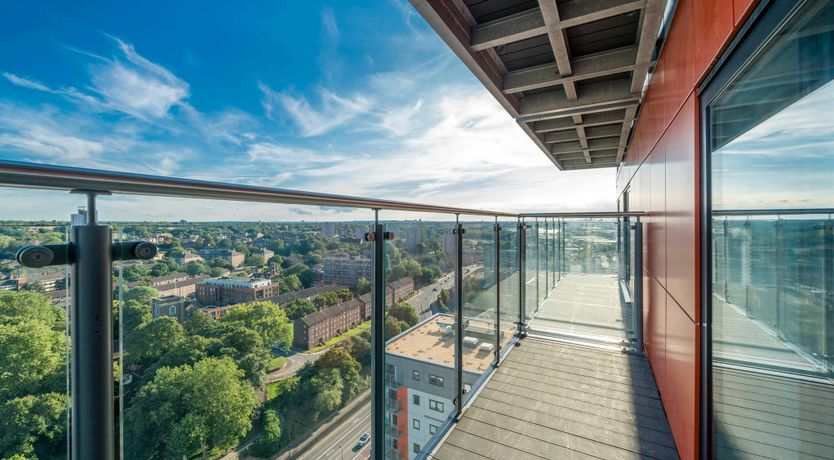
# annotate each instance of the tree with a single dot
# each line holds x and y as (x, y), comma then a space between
(32, 359)
(266, 318)
(392, 327)
(33, 423)
(140, 294)
(187, 410)
(327, 388)
(33, 287)
(360, 349)
(15, 306)
(196, 267)
(269, 442)
(348, 367)
(136, 272)
(363, 286)
(299, 308)
(160, 269)
(413, 268)
(153, 339)
(405, 313)
(254, 260)
(289, 283)
(200, 323)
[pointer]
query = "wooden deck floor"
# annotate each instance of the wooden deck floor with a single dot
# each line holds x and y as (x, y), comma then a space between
(558, 401)
(584, 306)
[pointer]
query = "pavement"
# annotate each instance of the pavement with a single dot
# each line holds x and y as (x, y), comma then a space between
(294, 363)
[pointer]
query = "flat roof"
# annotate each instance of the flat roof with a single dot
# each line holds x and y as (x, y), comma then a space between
(427, 341)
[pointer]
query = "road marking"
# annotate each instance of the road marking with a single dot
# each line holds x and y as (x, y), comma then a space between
(350, 430)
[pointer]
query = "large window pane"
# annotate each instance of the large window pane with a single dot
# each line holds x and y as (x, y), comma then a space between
(34, 337)
(772, 169)
(420, 353)
(251, 333)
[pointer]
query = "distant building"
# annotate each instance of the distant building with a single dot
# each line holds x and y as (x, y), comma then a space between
(398, 290)
(230, 291)
(216, 312)
(12, 284)
(346, 270)
(317, 328)
(232, 257)
(173, 306)
(187, 257)
(49, 281)
(178, 284)
(266, 254)
(413, 237)
(328, 229)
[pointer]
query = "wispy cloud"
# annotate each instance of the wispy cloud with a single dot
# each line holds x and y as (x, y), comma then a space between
(331, 110)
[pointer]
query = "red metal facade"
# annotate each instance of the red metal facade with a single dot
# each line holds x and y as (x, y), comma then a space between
(661, 173)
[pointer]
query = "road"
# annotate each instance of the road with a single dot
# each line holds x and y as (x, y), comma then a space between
(427, 295)
(294, 363)
(340, 442)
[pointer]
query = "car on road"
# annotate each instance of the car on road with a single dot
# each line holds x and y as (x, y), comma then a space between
(434, 289)
(363, 440)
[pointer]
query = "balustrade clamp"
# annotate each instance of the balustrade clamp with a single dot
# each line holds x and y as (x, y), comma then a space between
(91, 252)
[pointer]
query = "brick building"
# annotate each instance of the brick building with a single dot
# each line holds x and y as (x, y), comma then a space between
(230, 291)
(172, 305)
(317, 328)
(346, 271)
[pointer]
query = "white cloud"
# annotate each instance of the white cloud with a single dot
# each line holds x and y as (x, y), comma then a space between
(332, 110)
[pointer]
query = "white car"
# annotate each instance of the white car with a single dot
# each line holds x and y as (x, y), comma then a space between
(363, 440)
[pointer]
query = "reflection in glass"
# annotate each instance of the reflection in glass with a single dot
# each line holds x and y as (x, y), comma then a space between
(772, 275)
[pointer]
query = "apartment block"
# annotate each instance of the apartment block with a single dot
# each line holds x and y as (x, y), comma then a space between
(317, 328)
(230, 291)
(346, 271)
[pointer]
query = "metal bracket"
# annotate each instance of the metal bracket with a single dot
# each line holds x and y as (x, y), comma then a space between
(62, 254)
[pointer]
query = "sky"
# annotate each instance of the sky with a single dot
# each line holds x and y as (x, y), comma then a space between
(357, 98)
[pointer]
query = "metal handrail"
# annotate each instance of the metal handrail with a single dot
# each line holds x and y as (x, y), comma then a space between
(771, 212)
(42, 176)
(580, 215)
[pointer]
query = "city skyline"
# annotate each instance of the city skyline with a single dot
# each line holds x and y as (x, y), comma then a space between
(357, 100)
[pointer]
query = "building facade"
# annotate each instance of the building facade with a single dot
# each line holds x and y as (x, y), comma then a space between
(346, 271)
(173, 306)
(317, 328)
(230, 291)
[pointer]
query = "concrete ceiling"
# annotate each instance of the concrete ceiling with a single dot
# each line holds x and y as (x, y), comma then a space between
(571, 72)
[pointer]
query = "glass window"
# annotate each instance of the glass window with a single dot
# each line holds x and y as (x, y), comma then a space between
(435, 380)
(433, 429)
(435, 405)
(415, 399)
(416, 448)
(415, 424)
(415, 375)
(772, 163)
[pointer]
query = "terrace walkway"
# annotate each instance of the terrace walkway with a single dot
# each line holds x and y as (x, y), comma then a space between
(586, 307)
(555, 400)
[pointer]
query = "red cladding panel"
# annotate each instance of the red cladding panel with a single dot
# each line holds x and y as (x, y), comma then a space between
(657, 227)
(741, 8)
(680, 390)
(681, 216)
(713, 24)
(655, 332)
(679, 54)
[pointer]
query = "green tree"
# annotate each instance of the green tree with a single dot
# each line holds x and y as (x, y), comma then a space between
(190, 410)
(299, 308)
(153, 339)
(15, 306)
(32, 358)
(196, 267)
(160, 269)
(269, 442)
(392, 327)
(360, 349)
(33, 287)
(405, 313)
(413, 268)
(327, 388)
(290, 283)
(200, 323)
(136, 272)
(266, 318)
(34, 425)
(140, 294)
(348, 367)
(363, 286)
(254, 260)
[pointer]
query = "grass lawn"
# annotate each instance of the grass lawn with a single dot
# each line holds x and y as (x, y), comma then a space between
(275, 363)
(355, 331)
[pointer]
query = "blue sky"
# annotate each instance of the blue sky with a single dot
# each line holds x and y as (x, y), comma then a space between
(359, 98)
